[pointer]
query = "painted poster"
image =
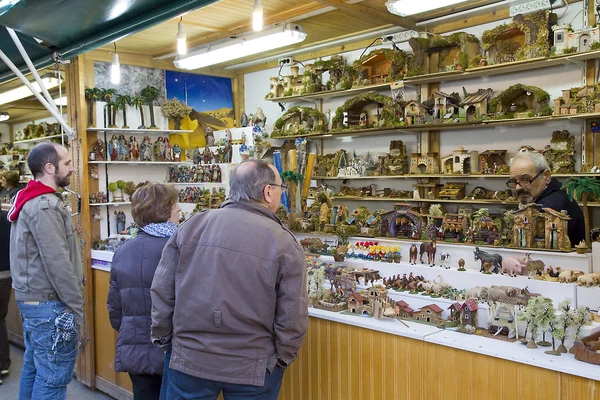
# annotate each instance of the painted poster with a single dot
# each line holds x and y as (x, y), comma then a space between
(211, 99)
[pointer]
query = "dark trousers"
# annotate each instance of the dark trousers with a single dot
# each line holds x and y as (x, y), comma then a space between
(146, 387)
(5, 291)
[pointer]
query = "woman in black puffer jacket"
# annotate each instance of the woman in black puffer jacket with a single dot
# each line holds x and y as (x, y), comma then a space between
(156, 212)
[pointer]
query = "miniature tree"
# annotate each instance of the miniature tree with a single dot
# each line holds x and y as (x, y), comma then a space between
(130, 188)
(121, 104)
(535, 307)
(91, 95)
(138, 102)
(526, 317)
(151, 94)
(546, 317)
(121, 185)
(316, 277)
(435, 210)
(583, 189)
(112, 188)
(565, 320)
(582, 316)
(108, 95)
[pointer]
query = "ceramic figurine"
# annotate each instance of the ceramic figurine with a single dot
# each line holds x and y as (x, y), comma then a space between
(134, 149)
(123, 149)
(533, 267)
(113, 148)
(99, 150)
(159, 149)
(430, 249)
(167, 151)
(259, 118)
(413, 254)
(461, 265)
(197, 156)
(207, 156)
(494, 259)
(176, 153)
(244, 119)
(209, 136)
(444, 260)
(146, 149)
(121, 219)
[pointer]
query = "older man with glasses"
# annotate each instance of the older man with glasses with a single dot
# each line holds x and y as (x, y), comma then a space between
(532, 182)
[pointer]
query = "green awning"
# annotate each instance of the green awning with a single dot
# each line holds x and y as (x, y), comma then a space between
(73, 27)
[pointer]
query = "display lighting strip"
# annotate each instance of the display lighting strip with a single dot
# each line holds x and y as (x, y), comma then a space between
(411, 7)
(270, 39)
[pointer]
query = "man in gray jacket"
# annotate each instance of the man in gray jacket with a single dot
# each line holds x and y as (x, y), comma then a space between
(45, 265)
(229, 301)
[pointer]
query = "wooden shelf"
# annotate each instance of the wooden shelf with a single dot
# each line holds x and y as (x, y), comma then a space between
(441, 176)
(142, 162)
(40, 139)
(131, 130)
(330, 93)
(478, 72)
(491, 123)
(114, 203)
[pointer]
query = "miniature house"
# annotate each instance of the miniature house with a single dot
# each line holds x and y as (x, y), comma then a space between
(560, 153)
(453, 191)
(373, 304)
(581, 40)
(492, 161)
(396, 161)
(445, 105)
(414, 113)
(526, 37)
(420, 164)
(365, 111)
(556, 229)
(459, 162)
(454, 312)
(502, 317)
(521, 101)
(402, 222)
(430, 313)
(403, 310)
(475, 105)
(528, 226)
(468, 313)
(376, 68)
(577, 100)
(436, 53)
(455, 226)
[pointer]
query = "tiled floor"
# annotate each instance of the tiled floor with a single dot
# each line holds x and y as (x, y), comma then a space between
(9, 390)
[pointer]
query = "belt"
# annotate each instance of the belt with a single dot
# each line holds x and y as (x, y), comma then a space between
(48, 296)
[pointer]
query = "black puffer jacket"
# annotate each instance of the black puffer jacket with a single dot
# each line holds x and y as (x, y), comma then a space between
(130, 305)
(4, 242)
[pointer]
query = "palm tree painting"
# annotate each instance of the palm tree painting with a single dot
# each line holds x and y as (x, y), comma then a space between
(583, 189)
(151, 94)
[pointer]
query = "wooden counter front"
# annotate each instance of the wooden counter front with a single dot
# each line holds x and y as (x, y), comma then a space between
(13, 322)
(339, 361)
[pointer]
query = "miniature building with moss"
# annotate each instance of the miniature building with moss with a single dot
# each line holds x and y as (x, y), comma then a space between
(475, 105)
(424, 164)
(401, 222)
(526, 37)
(380, 66)
(435, 53)
(567, 40)
(300, 121)
(415, 113)
(520, 101)
(578, 100)
(560, 153)
(367, 110)
(461, 161)
(455, 226)
(445, 106)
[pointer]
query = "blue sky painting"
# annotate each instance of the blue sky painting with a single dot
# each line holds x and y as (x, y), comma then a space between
(201, 92)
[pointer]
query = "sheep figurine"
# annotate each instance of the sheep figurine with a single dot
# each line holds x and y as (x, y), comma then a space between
(569, 276)
(587, 280)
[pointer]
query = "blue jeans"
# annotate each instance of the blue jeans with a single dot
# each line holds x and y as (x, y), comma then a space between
(49, 360)
(179, 386)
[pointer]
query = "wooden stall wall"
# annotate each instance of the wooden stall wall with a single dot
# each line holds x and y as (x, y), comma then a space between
(13, 322)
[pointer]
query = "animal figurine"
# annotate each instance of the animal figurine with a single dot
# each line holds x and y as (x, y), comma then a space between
(413, 254)
(461, 265)
(569, 276)
(513, 266)
(445, 259)
(430, 249)
(553, 272)
(534, 267)
(588, 280)
(486, 267)
(494, 259)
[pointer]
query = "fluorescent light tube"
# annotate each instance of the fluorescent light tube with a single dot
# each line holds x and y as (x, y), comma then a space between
(412, 7)
(115, 70)
(4, 116)
(181, 39)
(22, 92)
(257, 16)
(253, 44)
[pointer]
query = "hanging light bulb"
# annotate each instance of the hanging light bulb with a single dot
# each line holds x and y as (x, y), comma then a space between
(181, 42)
(257, 16)
(115, 69)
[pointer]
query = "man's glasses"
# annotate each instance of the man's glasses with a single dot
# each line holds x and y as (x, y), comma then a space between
(283, 187)
(524, 183)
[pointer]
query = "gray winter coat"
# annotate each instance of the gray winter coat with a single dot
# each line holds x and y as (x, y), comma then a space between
(229, 294)
(129, 304)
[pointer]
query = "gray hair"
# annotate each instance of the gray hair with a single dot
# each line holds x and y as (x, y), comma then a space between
(248, 180)
(538, 159)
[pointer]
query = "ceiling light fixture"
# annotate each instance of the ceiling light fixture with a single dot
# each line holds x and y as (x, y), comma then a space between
(21, 92)
(115, 68)
(60, 101)
(4, 116)
(181, 39)
(257, 16)
(269, 39)
(411, 7)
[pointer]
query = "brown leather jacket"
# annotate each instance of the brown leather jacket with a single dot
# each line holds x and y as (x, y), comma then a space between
(229, 295)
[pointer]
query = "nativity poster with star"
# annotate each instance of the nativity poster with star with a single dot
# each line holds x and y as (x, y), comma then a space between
(211, 99)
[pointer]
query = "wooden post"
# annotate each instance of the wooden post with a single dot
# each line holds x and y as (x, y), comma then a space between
(77, 76)
(237, 85)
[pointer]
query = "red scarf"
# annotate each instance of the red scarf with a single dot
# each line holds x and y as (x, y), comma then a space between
(33, 190)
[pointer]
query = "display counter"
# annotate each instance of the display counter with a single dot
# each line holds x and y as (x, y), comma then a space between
(13, 322)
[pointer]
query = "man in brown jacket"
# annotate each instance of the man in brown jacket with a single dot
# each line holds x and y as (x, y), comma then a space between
(229, 300)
